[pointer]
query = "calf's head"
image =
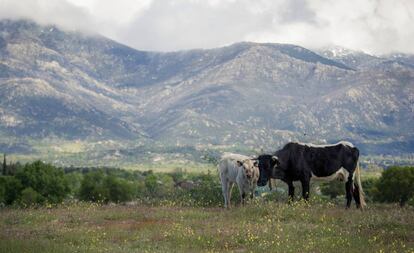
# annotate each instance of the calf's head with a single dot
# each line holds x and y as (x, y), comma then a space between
(249, 166)
(268, 167)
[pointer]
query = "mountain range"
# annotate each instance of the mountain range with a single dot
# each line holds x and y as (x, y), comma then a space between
(70, 85)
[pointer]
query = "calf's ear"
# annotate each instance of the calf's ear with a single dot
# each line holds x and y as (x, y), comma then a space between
(239, 163)
(256, 163)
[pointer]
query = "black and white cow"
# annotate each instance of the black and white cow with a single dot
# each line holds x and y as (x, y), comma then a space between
(301, 162)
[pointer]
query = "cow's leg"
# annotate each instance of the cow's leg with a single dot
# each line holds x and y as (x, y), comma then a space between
(291, 190)
(305, 188)
(348, 190)
(270, 184)
(230, 187)
(355, 193)
(225, 188)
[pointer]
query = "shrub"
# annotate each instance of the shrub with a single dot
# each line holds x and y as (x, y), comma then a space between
(93, 187)
(10, 189)
(207, 192)
(98, 187)
(120, 190)
(30, 197)
(396, 184)
(370, 188)
(333, 188)
(411, 202)
(152, 184)
(74, 181)
(159, 185)
(45, 179)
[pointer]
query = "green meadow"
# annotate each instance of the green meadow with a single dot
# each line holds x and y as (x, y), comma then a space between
(260, 226)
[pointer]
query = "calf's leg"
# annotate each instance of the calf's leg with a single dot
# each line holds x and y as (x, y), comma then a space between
(224, 185)
(242, 194)
(226, 188)
(243, 198)
(229, 192)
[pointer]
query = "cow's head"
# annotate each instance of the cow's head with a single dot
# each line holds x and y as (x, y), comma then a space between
(249, 166)
(268, 167)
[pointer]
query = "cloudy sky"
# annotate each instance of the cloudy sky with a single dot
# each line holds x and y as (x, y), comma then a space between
(374, 26)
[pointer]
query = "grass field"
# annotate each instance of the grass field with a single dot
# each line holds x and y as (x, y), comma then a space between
(258, 227)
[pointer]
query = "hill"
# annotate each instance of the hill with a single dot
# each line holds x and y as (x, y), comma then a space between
(73, 86)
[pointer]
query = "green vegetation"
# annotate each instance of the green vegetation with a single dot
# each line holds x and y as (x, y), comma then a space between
(98, 187)
(42, 183)
(260, 226)
(396, 184)
(182, 212)
(33, 183)
(333, 189)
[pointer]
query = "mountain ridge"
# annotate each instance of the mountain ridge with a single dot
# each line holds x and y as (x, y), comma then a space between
(260, 95)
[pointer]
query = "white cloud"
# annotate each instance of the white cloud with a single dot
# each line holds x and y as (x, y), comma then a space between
(61, 13)
(377, 26)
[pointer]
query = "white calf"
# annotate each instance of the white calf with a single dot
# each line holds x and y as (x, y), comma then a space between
(238, 169)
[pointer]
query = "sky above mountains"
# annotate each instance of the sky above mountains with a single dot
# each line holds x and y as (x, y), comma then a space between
(373, 26)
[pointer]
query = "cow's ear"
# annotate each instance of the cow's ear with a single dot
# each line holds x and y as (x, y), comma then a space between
(275, 159)
(239, 163)
(256, 163)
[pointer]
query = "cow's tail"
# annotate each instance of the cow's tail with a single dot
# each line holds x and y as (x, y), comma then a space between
(359, 184)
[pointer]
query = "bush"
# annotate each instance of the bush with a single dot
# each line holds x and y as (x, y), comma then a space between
(93, 187)
(152, 184)
(45, 179)
(159, 185)
(98, 187)
(30, 197)
(207, 192)
(74, 181)
(120, 190)
(333, 188)
(396, 184)
(411, 202)
(10, 189)
(370, 188)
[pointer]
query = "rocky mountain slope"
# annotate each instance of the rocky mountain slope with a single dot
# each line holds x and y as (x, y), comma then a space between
(73, 85)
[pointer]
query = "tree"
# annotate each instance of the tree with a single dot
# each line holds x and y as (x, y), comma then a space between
(93, 187)
(98, 187)
(10, 189)
(152, 184)
(30, 197)
(49, 182)
(4, 165)
(396, 184)
(370, 188)
(120, 190)
(74, 180)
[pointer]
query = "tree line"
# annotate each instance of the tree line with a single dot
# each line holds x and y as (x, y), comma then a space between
(40, 183)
